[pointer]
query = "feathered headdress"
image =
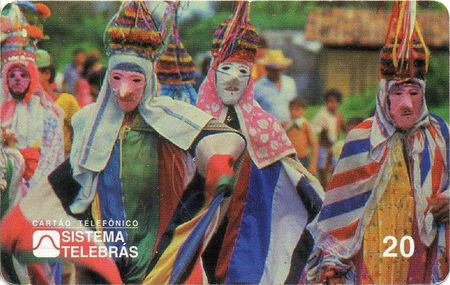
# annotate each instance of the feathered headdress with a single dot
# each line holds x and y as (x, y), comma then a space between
(405, 54)
(35, 13)
(21, 28)
(236, 38)
(133, 31)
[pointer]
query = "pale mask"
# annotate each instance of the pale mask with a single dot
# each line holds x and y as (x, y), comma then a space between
(18, 80)
(128, 88)
(231, 81)
(405, 105)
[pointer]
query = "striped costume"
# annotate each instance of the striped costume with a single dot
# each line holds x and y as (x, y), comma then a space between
(143, 171)
(361, 180)
(262, 237)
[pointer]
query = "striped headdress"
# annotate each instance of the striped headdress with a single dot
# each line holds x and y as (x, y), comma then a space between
(174, 68)
(133, 31)
(175, 65)
(404, 54)
(236, 39)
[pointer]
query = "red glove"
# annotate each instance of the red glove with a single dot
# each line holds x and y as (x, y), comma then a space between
(31, 156)
(219, 165)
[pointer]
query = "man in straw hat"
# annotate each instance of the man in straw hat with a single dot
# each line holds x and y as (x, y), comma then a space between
(275, 90)
(386, 210)
(132, 160)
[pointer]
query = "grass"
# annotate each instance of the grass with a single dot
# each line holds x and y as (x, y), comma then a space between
(441, 111)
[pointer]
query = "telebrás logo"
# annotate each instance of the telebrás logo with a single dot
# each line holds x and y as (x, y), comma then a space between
(46, 243)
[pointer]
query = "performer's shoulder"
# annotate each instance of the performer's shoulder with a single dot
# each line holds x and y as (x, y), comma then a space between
(86, 109)
(361, 131)
(80, 117)
(443, 125)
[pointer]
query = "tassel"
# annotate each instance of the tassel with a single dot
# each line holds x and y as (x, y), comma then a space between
(403, 33)
(232, 31)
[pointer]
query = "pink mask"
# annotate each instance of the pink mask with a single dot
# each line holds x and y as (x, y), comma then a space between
(128, 88)
(18, 79)
(405, 105)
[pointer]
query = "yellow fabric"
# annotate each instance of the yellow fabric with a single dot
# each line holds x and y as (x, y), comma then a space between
(70, 106)
(160, 274)
(95, 211)
(393, 216)
(337, 148)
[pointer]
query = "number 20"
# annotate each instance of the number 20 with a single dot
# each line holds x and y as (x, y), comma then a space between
(388, 253)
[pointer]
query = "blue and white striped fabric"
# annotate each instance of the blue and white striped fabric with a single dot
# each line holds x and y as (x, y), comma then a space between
(280, 201)
(363, 171)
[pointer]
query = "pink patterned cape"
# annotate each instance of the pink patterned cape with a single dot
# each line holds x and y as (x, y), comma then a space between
(267, 141)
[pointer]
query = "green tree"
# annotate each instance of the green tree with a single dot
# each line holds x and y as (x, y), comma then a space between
(437, 89)
(76, 24)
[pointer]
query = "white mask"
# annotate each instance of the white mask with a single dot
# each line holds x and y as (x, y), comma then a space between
(231, 81)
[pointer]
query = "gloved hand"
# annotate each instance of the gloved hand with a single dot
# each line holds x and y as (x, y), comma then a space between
(332, 276)
(219, 173)
(438, 204)
(31, 156)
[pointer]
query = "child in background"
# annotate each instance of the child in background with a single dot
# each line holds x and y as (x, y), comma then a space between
(300, 133)
(327, 124)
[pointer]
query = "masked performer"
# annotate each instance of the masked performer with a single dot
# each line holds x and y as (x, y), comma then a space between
(28, 119)
(262, 237)
(132, 160)
(25, 111)
(390, 185)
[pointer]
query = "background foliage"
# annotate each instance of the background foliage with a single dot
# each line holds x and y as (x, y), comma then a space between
(76, 24)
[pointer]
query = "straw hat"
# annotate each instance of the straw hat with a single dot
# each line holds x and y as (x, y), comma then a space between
(275, 59)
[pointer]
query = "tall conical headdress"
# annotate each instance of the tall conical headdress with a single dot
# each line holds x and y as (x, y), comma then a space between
(175, 65)
(236, 38)
(405, 54)
(175, 69)
(133, 31)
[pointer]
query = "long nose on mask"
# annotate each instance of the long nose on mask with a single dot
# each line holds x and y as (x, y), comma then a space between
(124, 90)
(405, 104)
(233, 78)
